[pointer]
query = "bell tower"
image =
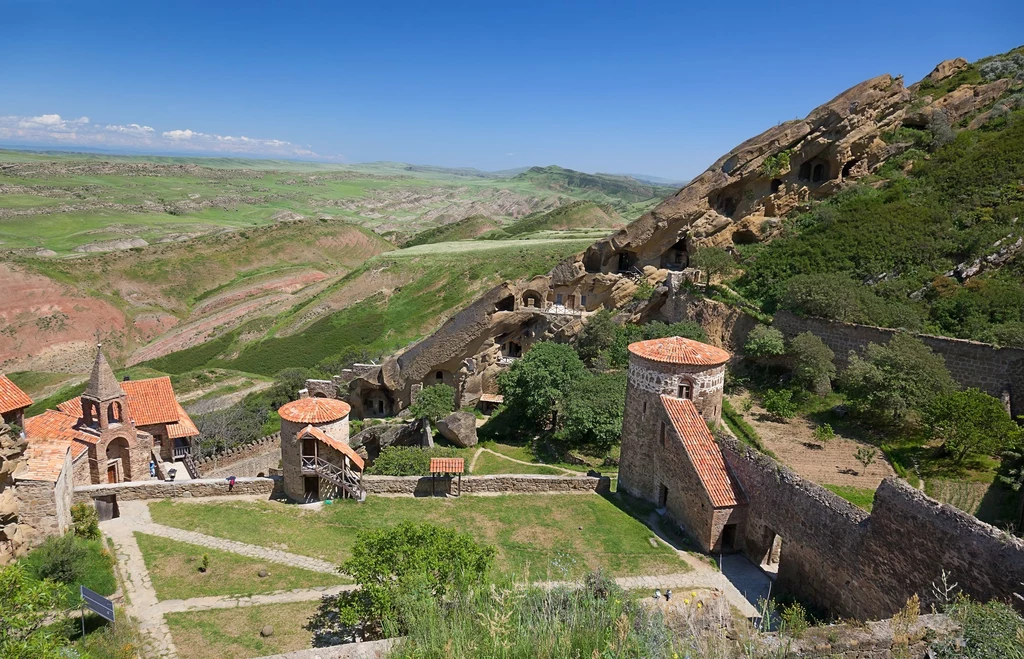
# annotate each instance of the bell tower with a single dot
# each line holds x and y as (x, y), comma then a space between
(104, 402)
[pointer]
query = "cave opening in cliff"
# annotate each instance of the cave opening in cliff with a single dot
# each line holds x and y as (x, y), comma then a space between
(744, 237)
(818, 174)
(676, 257)
(848, 167)
(626, 261)
(507, 303)
(592, 261)
(805, 172)
(776, 185)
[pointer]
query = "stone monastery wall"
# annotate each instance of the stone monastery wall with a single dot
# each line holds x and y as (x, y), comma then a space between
(260, 458)
(203, 487)
(867, 566)
(501, 484)
(996, 371)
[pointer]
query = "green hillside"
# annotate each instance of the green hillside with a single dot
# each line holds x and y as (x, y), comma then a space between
(574, 215)
(595, 186)
(466, 229)
(936, 249)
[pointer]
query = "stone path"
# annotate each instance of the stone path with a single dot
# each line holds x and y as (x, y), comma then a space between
(741, 582)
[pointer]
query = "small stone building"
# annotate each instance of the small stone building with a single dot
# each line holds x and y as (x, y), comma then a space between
(13, 402)
(669, 456)
(316, 459)
(43, 485)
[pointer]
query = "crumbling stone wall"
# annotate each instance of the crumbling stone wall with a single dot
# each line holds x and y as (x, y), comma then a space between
(867, 566)
(996, 371)
(12, 448)
(255, 459)
(501, 484)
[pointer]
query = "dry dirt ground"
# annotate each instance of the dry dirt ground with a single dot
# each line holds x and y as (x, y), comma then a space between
(794, 444)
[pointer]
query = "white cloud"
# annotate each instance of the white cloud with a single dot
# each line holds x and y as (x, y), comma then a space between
(54, 129)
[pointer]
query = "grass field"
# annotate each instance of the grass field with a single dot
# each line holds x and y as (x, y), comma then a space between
(543, 536)
(488, 464)
(217, 634)
(98, 565)
(860, 497)
(174, 569)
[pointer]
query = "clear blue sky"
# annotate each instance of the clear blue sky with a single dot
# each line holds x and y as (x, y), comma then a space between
(658, 88)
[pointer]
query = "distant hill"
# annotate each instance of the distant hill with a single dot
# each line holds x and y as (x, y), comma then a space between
(465, 229)
(625, 188)
(574, 215)
(654, 180)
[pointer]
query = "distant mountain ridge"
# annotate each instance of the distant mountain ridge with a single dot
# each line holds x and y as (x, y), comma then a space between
(626, 188)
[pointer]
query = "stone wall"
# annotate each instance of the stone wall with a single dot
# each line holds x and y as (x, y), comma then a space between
(873, 640)
(501, 484)
(867, 566)
(204, 487)
(249, 460)
(996, 371)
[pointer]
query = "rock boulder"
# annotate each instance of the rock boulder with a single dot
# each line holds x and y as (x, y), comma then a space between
(459, 428)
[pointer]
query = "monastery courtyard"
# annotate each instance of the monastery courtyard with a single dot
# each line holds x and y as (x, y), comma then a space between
(269, 563)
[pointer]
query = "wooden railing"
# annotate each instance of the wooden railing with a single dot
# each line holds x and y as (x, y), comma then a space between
(179, 451)
(190, 465)
(344, 478)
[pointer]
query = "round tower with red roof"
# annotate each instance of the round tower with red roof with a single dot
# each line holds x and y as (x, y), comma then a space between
(314, 434)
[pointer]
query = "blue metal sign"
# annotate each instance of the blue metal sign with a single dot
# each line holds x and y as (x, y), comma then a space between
(96, 602)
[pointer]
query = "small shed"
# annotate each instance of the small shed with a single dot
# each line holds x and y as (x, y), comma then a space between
(490, 402)
(446, 468)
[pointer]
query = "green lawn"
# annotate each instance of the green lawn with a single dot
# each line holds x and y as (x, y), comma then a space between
(174, 569)
(488, 464)
(553, 536)
(98, 568)
(858, 496)
(221, 633)
(524, 452)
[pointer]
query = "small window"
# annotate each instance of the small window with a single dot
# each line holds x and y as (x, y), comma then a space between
(583, 301)
(645, 407)
(664, 435)
(686, 390)
(439, 376)
(558, 298)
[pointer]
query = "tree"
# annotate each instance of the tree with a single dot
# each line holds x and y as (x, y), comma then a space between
(779, 404)
(433, 403)
(537, 385)
(287, 383)
(813, 367)
(618, 353)
(714, 261)
(764, 341)
(894, 379)
(823, 295)
(824, 434)
(592, 413)
(383, 562)
(969, 423)
(865, 456)
(27, 611)
(597, 336)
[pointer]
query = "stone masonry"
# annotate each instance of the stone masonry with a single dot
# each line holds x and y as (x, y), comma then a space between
(203, 487)
(996, 371)
(260, 458)
(502, 484)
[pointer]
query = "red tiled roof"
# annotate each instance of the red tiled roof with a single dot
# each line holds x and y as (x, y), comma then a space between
(77, 449)
(704, 453)
(492, 398)
(151, 401)
(44, 460)
(312, 431)
(677, 350)
(314, 410)
(54, 424)
(447, 465)
(184, 426)
(11, 396)
(72, 407)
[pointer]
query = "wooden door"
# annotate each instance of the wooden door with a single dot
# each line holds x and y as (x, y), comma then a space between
(112, 473)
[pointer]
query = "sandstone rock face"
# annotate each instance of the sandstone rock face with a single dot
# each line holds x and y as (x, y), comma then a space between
(961, 102)
(947, 69)
(459, 428)
(375, 439)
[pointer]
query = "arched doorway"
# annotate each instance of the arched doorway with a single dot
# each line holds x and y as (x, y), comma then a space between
(119, 463)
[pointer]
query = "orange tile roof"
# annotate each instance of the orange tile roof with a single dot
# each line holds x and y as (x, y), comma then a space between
(184, 426)
(54, 424)
(703, 452)
(314, 410)
(677, 350)
(151, 401)
(447, 465)
(11, 396)
(72, 407)
(311, 431)
(77, 449)
(492, 398)
(44, 460)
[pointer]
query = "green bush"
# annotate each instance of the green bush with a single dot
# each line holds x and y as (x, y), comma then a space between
(86, 521)
(989, 631)
(794, 620)
(433, 403)
(764, 341)
(73, 561)
(28, 608)
(813, 366)
(971, 423)
(407, 460)
(779, 404)
(824, 434)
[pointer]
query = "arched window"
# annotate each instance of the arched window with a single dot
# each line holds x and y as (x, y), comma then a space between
(114, 413)
(439, 376)
(686, 389)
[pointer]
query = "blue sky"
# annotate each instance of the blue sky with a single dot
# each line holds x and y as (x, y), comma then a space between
(660, 88)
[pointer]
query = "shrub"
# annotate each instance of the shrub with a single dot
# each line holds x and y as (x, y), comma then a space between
(643, 291)
(824, 434)
(86, 521)
(407, 460)
(433, 403)
(989, 631)
(779, 404)
(764, 341)
(62, 559)
(794, 620)
(823, 295)
(427, 559)
(27, 611)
